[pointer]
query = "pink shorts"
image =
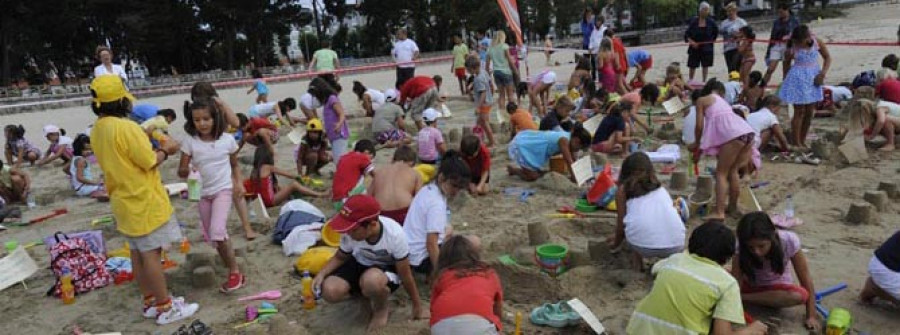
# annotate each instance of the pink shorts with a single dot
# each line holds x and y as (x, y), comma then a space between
(214, 215)
(777, 287)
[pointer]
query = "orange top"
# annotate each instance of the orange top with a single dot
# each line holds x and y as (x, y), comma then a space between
(522, 120)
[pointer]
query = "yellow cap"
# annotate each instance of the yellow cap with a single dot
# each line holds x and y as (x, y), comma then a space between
(314, 125)
(109, 88)
(734, 75)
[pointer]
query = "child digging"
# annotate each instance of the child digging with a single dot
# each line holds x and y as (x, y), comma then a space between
(60, 145)
(765, 123)
(214, 155)
(264, 180)
(531, 150)
(430, 140)
(478, 158)
(314, 151)
(18, 149)
(467, 297)
(884, 273)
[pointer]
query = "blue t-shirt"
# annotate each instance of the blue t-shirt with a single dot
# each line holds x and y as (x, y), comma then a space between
(143, 112)
(261, 87)
(533, 148)
(609, 125)
(587, 27)
(889, 252)
(484, 44)
(637, 56)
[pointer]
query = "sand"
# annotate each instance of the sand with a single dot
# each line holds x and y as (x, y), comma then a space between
(837, 252)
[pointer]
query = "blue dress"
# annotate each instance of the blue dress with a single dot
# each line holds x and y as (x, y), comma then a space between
(798, 87)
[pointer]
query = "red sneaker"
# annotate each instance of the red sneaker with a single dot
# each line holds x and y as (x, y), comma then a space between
(235, 281)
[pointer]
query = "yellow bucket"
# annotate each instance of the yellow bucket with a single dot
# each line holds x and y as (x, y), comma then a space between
(329, 236)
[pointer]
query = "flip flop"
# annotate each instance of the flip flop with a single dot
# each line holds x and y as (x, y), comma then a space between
(568, 313)
(547, 315)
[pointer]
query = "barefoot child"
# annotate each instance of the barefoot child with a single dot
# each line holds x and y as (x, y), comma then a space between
(214, 155)
(539, 91)
(870, 119)
(478, 158)
(80, 172)
(884, 273)
(481, 88)
(14, 184)
(394, 185)
(519, 119)
(467, 297)
(745, 50)
(263, 181)
(460, 51)
(753, 91)
(531, 150)
(314, 152)
(60, 145)
(336, 128)
(430, 140)
(763, 265)
(280, 109)
(765, 123)
(558, 118)
(259, 85)
(610, 137)
(351, 171)
(388, 126)
(18, 149)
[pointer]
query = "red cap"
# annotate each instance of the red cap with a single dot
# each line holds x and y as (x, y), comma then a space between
(357, 208)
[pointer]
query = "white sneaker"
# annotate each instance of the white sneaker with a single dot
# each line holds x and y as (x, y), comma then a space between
(151, 313)
(179, 311)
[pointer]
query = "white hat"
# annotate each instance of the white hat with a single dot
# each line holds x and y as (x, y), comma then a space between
(50, 129)
(430, 115)
(549, 77)
(309, 102)
(391, 94)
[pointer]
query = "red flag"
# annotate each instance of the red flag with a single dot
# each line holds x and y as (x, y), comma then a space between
(511, 11)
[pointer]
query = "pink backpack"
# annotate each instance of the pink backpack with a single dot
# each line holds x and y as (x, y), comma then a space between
(88, 268)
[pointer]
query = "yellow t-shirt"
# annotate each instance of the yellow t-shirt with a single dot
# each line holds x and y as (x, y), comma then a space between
(137, 197)
(325, 59)
(460, 51)
(157, 122)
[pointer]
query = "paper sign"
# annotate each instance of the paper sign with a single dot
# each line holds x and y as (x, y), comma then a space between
(586, 315)
(261, 206)
(673, 105)
(582, 170)
(854, 150)
(593, 123)
(747, 199)
(16, 267)
(445, 112)
(176, 188)
(296, 135)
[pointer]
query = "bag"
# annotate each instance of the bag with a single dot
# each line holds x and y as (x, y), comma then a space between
(604, 190)
(87, 268)
(865, 78)
(94, 239)
(290, 220)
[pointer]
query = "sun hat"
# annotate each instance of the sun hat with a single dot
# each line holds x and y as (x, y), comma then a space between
(430, 115)
(50, 129)
(109, 88)
(357, 209)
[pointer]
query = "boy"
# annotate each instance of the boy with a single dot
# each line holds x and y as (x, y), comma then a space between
(157, 127)
(460, 51)
(372, 261)
(733, 87)
(350, 172)
(884, 273)
(481, 89)
(765, 123)
(395, 185)
(314, 150)
(558, 118)
(478, 158)
(14, 185)
(138, 200)
(519, 119)
(430, 140)
(259, 85)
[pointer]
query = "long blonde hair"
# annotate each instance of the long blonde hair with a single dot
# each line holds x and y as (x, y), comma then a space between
(861, 113)
(499, 38)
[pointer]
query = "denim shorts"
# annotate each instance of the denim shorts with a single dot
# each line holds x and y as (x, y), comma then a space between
(502, 79)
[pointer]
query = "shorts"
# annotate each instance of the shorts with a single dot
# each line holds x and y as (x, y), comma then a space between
(390, 135)
(464, 324)
(425, 268)
(516, 157)
(87, 190)
(420, 103)
(647, 63)
(404, 74)
(886, 279)
(699, 58)
(339, 148)
(804, 294)
(503, 79)
(351, 272)
(161, 238)
(482, 110)
(460, 72)
(776, 53)
(398, 215)
(603, 147)
(214, 211)
(656, 253)
(893, 109)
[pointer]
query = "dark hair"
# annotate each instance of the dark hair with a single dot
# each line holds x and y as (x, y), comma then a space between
(262, 156)
(753, 226)
(460, 254)
(454, 170)
(118, 108)
(650, 93)
(242, 120)
(696, 95)
(583, 136)
(325, 43)
(583, 64)
(287, 105)
(203, 89)
(256, 74)
(755, 78)
(166, 112)
(62, 131)
(469, 145)
(712, 240)
(359, 89)
(457, 35)
(799, 36)
(404, 153)
(747, 31)
(472, 62)
(784, 5)
(81, 141)
(621, 108)
(321, 89)
(217, 116)
(511, 107)
(637, 177)
(713, 86)
(890, 61)
(365, 145)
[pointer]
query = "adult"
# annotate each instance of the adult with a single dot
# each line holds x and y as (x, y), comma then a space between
(594, 45)
(394, 185)
(405, 53)
(325, 63)
(500, 64)
(422, 93)
(105, 55)
(587, 28)
(784, 24)
(729, 29)
(803, 79)
(700, 35)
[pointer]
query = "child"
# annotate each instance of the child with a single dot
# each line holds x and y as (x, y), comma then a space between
(803, 78)
(884, 273)
(313, 151)
(460, 51)
(763, 265)
(870, 119)
(263, 180)
(280, 109)
(641, 61)
(835, 97)
(430, 140)
(723, 134)
(14, 184)
(753, 92)
(647, 94)
(157, 127)
(481, 88)
(748, 58)
(765, 123)
(370, 99)
(388, 125)
(80, 173)
(673, 84)
(581, 76)
(259, 85)
(611, 135)
(733, 87)
(539, 91)
(18, 149)
(519, 119)
(336, 128)
(351, 171)
(394, 185)
(60, 145)
(478, 158)
(467, 297)
(258, 132)
(138, 199)
(531, 150)
(692, 293)
(427, 222)
(690, 120)
(644, 214)
(214, 155)
(558, 119)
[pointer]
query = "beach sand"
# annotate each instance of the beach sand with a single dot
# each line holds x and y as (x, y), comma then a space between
(837, 252)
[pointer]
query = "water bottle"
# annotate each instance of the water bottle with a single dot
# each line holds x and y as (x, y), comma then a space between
(67, 290)
(30, 201)
(789, 207)
(194, 186)
(309, 298)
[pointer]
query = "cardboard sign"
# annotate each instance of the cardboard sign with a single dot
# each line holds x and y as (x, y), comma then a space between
(586, 315)
(445, 112)
(673, 105)
(176, 188)
(854, 149)
(261, 206)
(747, 199)
(296, 135)
(16, 267)
(593, 123)
(582, 170)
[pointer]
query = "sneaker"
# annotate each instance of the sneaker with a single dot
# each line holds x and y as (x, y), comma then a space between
(179, 311)
(235, 281)
(151, 313)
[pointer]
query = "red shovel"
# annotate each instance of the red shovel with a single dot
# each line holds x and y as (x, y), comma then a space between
(55, 213)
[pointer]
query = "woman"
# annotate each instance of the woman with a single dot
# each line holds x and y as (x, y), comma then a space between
(802, 86)
(700, 35)
(504, 74)
(730, 28)
(105, 55)
(467, 297)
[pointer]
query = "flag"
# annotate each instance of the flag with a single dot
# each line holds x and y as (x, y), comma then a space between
(511, 11)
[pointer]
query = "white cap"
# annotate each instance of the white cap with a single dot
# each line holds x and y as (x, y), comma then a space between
(391, 94)
(430, 115)
(309, 102)
(50, 129)
(549, 77)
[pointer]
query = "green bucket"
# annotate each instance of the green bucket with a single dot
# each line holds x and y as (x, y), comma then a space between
(552, 258)
(839, 322)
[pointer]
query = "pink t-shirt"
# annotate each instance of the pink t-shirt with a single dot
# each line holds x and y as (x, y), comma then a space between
(790, 244)
(428, 140)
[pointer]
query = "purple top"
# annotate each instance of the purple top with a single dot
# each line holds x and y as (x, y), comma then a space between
(790, 244)
(331, 118)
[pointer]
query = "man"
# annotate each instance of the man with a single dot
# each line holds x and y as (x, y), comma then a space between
(395, 185)
(325, 62)
(422, 93)
(372, 260)
(783, 26)
(405, 53)
(594, 44)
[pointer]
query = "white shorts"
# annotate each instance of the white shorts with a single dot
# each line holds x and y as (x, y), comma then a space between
(893, 109)
(776, 54)
(887, 279)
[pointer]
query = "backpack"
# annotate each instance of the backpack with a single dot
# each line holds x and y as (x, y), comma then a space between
(865, 78)
(290, 220)
(87, 268)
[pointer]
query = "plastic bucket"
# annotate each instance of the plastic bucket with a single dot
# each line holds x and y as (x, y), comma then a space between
(552, 258)
(698, 207)
(582, 205)
(558, 164)
(839, 322)
(329, 236)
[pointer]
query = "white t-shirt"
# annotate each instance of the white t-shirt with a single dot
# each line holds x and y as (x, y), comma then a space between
(690, 123)
(65, 140)
(263, 110)
(403, 53)
(761, 120)
(117, 69)
(732, 91)
(652, 222)
(840, 93)
(376, 96)
(427, 214)
(390, 248)
(212, 160)
(596, 39)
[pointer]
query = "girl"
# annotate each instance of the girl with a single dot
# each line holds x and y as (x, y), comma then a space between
(724, 134)
(762, 264)
(802, 85)
(336, 128)
(870, 119)
(884, 273)
(259, 85)
(371, 99)
(531, 150)
(80, 173)
(501, 62)
(611, 135)
(279, 109)
(581, 76)
(753, 91)
(263, 180)
(60, 145)
(427, 221)
(608, 63)
(313, 151)
(745, 50)
(673, 84)
(467, 297)
(765, 123)
(18, 149)
(215, 156)
(539, 91)
(645, 216)
(258, 132)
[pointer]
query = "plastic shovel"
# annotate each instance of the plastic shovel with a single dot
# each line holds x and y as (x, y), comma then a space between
(267, 295)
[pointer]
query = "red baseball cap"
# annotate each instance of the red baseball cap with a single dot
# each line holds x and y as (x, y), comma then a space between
(357, 208)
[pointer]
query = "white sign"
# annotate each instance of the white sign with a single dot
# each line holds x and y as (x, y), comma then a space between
(593, 123)
(176, 188)
(296, 135)
(673, 105)
(583, 170)
(16, 267)
(586, 315)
